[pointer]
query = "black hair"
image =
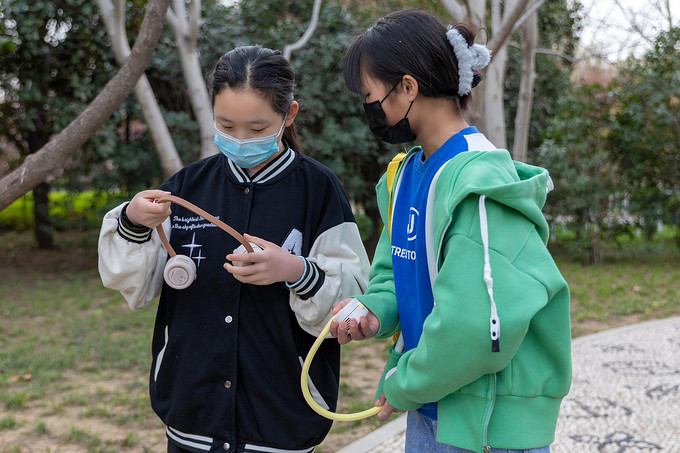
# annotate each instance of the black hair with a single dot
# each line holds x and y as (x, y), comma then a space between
(260, 69)
(412, 42)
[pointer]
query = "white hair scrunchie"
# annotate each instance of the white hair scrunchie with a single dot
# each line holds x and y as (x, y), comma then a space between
(470, 59)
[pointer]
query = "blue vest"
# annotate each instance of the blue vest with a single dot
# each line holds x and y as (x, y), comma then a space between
(409, 256)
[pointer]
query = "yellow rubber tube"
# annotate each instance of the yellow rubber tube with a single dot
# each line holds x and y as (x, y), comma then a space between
(304, 382)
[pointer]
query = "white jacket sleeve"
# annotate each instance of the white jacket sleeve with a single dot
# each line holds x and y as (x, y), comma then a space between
(135, 269)
(337, 268)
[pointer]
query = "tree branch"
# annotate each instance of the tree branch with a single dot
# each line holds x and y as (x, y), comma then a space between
(527, 15)
(454, 9)
(555, 53)
(300, 43)
(509, 19)
(40, 166)
(119, 21)
(194, 18)
(173, 19)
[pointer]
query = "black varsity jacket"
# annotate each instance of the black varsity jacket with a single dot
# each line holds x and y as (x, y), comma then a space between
(227, 356)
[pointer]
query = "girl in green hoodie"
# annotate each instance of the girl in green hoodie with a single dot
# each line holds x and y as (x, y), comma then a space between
(462, 270)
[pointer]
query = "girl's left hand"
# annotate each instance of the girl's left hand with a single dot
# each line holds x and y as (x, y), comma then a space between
(271, 265)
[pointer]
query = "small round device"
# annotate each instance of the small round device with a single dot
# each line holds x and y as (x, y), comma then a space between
(241, 249)
(179, 272)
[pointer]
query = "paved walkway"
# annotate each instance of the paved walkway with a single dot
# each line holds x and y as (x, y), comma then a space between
(625, 395)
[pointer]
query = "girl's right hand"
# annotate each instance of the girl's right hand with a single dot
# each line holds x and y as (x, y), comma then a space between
(144, 210)
(367, 326)
(387, 408)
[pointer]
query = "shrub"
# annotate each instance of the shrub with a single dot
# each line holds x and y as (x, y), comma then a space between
(68, 210)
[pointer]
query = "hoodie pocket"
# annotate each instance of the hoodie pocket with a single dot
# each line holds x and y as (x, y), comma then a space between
(159, 357)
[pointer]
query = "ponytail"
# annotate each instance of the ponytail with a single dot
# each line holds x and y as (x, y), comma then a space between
(291, 138)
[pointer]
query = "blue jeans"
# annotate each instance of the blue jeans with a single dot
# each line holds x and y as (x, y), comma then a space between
(421, 437)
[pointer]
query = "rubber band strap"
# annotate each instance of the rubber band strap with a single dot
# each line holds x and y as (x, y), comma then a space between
(304, 382)
(196, 210)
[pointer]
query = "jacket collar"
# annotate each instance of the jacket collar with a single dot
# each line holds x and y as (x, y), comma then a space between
(268, 172)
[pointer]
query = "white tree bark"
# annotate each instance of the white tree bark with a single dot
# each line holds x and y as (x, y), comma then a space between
(455, 10)
(526, 88)
(474, 12)
(300, 43)
(114, 22)
(487, 109)
(186, 26)
(48, 161)
(494, 118)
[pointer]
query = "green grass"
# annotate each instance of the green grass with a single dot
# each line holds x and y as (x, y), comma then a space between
(84, 351)
(40, 428)
(92, 442)
(639, 281)
(8, 423)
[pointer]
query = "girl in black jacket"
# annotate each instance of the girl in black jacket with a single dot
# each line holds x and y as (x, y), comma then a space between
(228, 350)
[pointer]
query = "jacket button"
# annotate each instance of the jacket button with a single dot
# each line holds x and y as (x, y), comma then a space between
(246, 190)
(226, 446)
(228, 319)
(227, 384)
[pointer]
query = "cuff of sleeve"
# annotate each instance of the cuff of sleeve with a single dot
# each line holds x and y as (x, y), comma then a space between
(310, 282)
(131, 232)
(391, 364)
(392, 391)
(377, 307)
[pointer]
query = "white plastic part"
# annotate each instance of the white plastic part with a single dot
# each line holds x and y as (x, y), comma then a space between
(241, 249)
(179, 272)
(353, 310)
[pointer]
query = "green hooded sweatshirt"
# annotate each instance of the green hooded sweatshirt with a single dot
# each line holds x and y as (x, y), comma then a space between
(508, 399)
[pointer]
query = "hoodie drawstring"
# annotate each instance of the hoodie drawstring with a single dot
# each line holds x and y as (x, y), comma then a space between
(494, 321)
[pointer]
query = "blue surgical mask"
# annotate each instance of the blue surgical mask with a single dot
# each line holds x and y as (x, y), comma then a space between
(250, 152)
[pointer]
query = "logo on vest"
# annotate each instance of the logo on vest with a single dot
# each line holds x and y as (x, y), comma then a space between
(411, 232)
(399, 252)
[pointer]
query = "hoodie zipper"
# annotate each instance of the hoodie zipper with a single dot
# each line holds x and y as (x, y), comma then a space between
(486, 447)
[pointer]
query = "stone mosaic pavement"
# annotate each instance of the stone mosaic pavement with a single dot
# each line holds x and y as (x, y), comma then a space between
(625, 396)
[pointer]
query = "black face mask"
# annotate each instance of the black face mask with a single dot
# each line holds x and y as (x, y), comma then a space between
(377, 122)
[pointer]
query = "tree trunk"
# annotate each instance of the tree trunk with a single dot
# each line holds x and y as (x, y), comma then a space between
(493, 91)
(596, 258)
(473, 12)
(48, 161)
(186, 28)
(165, 147)
(526, 89)
(198, 95)
(494, 119)
(114, 21)
(488, 106)
(44, 231)
(455, 9)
